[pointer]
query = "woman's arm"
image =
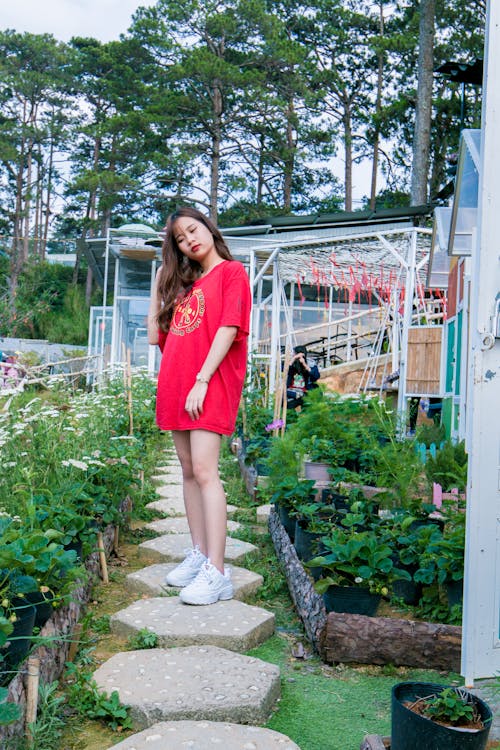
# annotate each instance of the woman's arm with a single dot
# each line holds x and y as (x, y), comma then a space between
(154, 309)
(220, 347)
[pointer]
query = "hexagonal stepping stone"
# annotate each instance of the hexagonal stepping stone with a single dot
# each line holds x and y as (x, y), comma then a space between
(173, 547)
(180, 526)
(197, 682)
(200, 735)
(169, 490)
(151, 580)
(263, 513)
(172, 506)
(230, 624)
(165, 479)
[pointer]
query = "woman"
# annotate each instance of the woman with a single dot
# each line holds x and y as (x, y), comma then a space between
(199, 315)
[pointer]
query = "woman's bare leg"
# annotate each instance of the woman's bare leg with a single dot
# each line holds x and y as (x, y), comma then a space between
(192, 493)
(205, 450)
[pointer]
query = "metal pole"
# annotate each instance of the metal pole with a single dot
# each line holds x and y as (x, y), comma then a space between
(152, 348)
(480, 631)
(275, 327)
(115, 356)
(407, 319)
(105, 292)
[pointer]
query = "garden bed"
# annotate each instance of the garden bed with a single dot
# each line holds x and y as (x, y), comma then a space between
(349, 638)
(59, 629)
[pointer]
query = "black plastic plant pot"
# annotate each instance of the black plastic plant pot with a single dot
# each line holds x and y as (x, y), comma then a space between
(18, 644)
(77, 545)
(409, 591)
(355, 600)
(410, 731)
(288, 521)
(304, 541)
(454, 592)
(43, 606)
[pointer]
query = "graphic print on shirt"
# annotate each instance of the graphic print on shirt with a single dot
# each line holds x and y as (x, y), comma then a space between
(188, 313)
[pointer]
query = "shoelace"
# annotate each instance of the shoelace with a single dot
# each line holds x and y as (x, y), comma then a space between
(206, 572)
(189, 554)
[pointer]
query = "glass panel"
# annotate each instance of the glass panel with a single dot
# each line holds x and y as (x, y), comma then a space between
(450, 354)
(464, 219)
(133, 329)
(134, 278)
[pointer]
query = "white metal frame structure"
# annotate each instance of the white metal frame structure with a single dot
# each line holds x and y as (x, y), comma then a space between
(403, 252)
(481, 618)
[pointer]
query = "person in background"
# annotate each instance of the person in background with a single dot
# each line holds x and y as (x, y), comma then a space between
(302, 376)
(199, 315)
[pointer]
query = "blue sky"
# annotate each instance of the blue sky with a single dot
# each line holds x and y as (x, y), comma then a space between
(101, 19)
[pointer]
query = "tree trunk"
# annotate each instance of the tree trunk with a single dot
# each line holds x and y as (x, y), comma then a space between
(291, 145)
(387, 640)
(260, 172)
(421, 136)
(218, 105)
(378, 106)
(346, 119)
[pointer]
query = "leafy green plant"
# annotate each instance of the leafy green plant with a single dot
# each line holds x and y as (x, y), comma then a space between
(9, 712)
(84, 696)
(453, 706)
(46, 731)
(292, 492)
(449, 467)
(143, 639)
(354, 558)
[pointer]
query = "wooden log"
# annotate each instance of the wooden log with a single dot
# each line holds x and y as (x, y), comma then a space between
(388, 640)
(308, 603)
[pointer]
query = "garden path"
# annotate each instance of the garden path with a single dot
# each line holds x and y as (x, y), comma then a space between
(196, 690)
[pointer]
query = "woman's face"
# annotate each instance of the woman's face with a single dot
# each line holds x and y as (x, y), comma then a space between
(193, 238)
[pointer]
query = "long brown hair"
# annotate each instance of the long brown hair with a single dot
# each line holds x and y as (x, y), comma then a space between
(178, 272)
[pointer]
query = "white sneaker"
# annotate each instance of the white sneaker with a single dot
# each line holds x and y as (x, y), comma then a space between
(187, 570)
(208, 587)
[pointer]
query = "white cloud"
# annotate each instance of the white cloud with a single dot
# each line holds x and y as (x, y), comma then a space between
(101, 19)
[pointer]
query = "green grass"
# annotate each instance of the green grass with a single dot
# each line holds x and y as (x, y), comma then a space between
(325, 707)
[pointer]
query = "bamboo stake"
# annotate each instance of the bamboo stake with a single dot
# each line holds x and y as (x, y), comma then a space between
(32, 693)
(102, 557)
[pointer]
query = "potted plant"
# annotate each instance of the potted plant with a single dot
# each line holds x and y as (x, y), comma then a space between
(287, 496)
(359, 570)
(426, 715)
(313, 520)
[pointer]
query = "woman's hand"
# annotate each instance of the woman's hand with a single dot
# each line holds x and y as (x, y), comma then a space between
(195, 399)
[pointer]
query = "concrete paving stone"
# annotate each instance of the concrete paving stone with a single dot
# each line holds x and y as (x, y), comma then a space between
(229, 624)
(167, 480)
(200, 735)
(263, 513)
(170, 490)
(180, 526)
(151, 580)
(173, 506)
(197, 682)
(173, 547)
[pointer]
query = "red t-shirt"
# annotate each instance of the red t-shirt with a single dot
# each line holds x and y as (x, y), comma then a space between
(221, 298)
